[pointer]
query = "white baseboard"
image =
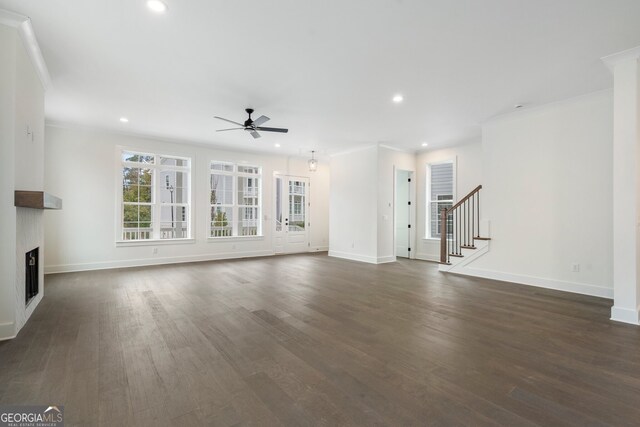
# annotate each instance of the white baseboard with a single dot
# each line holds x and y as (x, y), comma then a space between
(626, 315)
(560, 285)
(385, 259)
(353, 257)
(104, 265)
(427, 257)
(7, 331)
(319, 249)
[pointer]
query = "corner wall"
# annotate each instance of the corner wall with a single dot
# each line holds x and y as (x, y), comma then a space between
(353, 213)
(362, 203)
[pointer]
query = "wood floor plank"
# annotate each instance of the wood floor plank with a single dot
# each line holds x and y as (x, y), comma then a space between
(313, 340)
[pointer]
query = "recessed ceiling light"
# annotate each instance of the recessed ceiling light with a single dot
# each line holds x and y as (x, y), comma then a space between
(424, 144)
(124, 120)
(398, 98)
(276, 145)
(157, 6)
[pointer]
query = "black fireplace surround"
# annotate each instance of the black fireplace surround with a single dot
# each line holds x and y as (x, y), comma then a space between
(31, 275)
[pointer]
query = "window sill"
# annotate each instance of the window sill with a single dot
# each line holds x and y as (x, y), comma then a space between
(429, 239)
(153, 242)
(234, 239)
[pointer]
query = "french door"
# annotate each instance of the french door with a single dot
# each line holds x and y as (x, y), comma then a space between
(291, 232)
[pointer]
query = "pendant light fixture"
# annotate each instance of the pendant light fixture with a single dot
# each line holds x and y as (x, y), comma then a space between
(313, 163)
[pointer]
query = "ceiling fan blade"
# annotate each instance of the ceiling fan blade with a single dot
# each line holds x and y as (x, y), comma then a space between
(227, 120)
(280, 130)
(223, 130)
(255, 134)
(260, 120)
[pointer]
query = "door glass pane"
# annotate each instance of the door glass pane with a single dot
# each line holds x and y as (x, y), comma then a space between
(278, 204)
(297, 205)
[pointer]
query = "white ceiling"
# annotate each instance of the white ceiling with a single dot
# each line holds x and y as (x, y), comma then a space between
(325, 69)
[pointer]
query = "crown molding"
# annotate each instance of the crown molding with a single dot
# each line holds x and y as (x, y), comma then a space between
(353, 150)
(537, 108)
(23, 25)
(11, 19)
(612, 60)
(401, 150)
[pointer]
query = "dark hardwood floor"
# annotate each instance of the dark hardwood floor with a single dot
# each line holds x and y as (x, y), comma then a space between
(312, 340)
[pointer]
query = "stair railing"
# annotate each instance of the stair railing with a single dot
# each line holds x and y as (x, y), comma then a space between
(459, 226)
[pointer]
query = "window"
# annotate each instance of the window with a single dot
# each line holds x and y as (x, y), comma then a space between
(236, 200)
(440, 187)
(155, 197)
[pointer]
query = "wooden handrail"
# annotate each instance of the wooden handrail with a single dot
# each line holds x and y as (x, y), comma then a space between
(465, 198)
(465, 225)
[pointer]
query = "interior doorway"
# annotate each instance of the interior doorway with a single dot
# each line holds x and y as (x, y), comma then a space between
(403, 213)
(291, 225)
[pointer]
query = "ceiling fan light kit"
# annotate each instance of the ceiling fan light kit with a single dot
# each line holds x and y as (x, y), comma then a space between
(252, 126)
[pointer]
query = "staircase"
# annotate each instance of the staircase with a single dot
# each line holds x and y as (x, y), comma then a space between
(460, 240)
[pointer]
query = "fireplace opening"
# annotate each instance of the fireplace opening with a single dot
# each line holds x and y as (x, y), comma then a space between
(31, 275)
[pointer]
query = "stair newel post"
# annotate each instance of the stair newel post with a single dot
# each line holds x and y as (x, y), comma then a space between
(443, 236)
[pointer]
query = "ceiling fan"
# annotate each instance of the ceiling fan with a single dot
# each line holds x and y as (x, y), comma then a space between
(252, 126)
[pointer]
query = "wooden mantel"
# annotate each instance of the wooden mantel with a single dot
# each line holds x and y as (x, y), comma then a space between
(37, 200)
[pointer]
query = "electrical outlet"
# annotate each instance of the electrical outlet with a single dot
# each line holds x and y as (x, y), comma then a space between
(353, 245)
(575, 267)
(155, 251)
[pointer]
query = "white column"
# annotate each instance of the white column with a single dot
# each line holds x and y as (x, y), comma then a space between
(626, 185)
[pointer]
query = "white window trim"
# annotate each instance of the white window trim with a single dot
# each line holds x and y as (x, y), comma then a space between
(454, 161)
(156, 207)
(235, 206)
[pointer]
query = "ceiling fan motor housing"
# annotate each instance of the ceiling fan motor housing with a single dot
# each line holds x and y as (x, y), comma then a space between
(248, 122)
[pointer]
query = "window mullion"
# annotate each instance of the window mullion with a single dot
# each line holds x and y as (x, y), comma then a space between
(235, 212)
(157, 211)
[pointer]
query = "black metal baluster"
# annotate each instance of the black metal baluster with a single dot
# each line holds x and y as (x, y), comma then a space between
(466, 223)
(463, 227)
(478, 214)
(459, 231)
(473, 218)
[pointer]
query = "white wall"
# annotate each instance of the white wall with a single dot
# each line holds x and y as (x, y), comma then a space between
(8, 40)
(353, 229)
(547, 194)
(468, 161)
(29, 175)
(81, 168)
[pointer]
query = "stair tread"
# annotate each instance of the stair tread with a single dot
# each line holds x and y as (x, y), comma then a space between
(468, 247)
(482, 238)
(456, 255)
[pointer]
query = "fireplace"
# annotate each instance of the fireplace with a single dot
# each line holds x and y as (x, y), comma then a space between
(31, 275)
